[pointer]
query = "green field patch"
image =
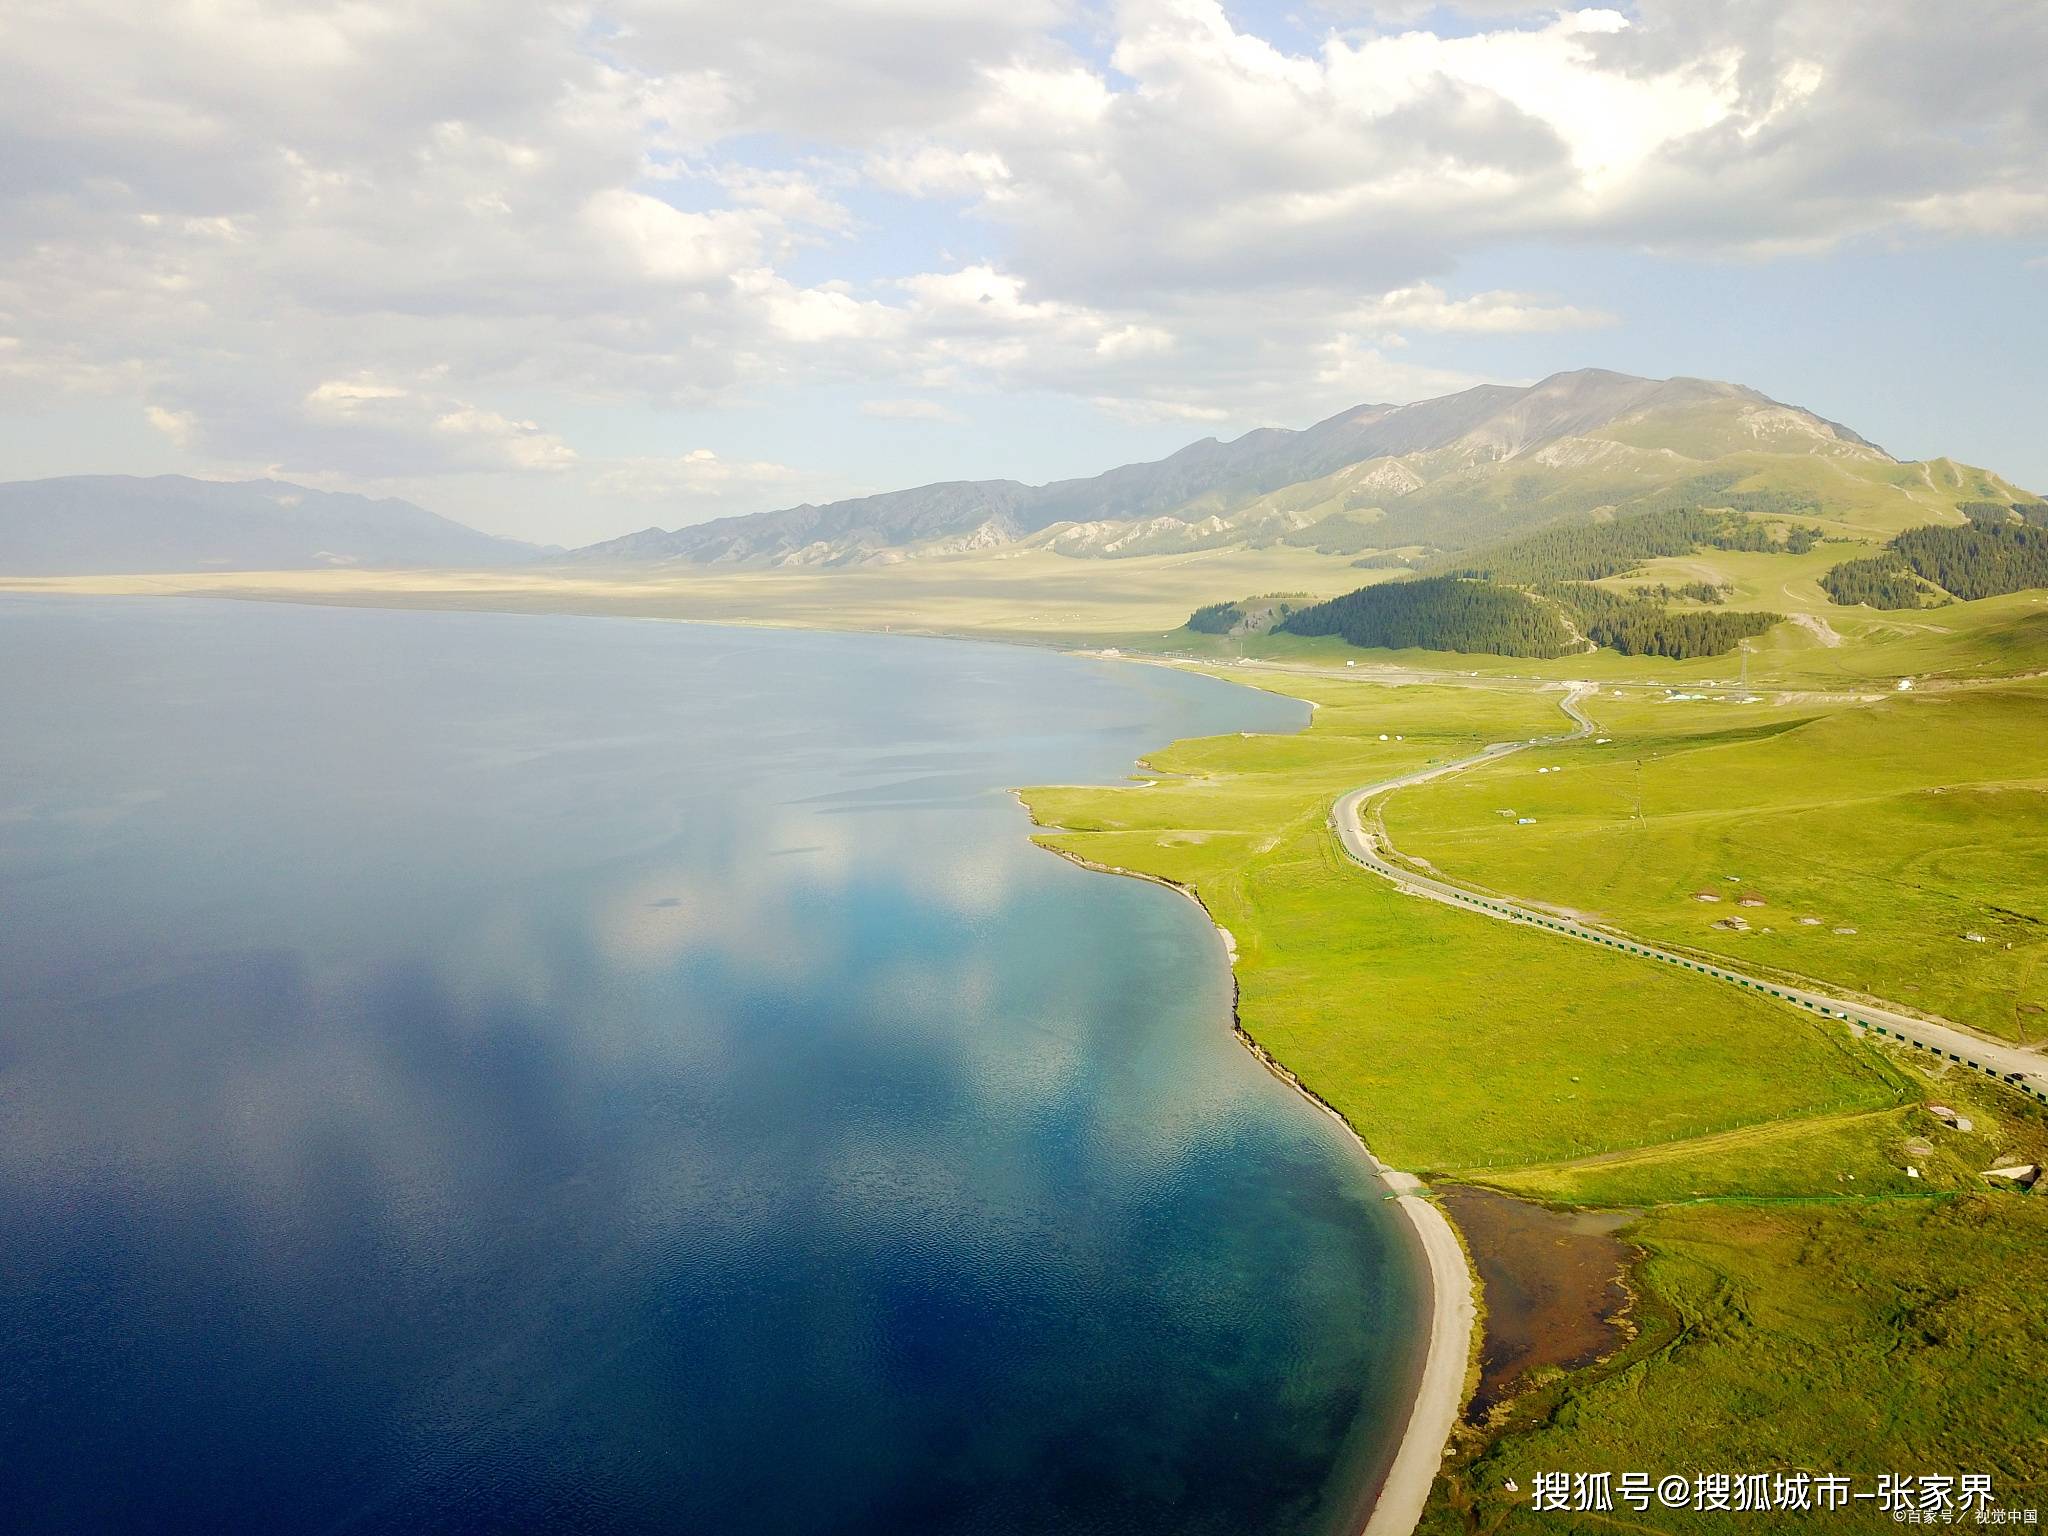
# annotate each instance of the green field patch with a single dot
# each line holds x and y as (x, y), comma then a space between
(1897, 849)
(1447, 1038)
(1857, 1338)
(1852, 1156)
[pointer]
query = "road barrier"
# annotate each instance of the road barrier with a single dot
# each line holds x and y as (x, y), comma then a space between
(1572, 930)
(1374, 846)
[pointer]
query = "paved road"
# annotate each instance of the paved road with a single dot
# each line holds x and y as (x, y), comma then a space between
(2024, 1069)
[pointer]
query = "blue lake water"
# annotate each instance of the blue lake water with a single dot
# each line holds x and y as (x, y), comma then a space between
(483, 1073)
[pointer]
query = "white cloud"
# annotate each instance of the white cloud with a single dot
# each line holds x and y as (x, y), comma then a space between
(347, 240)
(497, 439)
(665, 243)
(910, 410)
(699, 484)
(811, 315)
(791, 197)
(1354, 369)
(345, 399)
(1426, 307)
(1148, 412)
(1994, 211)
(932, 170)
(413, 430)
(1134, 341)
(178, 426)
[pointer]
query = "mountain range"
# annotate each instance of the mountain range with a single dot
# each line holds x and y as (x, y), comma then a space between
(1394, 484)
(122, 524)
(1437, 473)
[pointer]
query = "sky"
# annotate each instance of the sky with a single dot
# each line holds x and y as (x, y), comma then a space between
(565, 270)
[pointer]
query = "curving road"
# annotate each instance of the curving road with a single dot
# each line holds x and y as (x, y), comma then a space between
(2020, 1068)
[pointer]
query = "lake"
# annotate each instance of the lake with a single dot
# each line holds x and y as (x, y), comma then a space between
(466, 1072)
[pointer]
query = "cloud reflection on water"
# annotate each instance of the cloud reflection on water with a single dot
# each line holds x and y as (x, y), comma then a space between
(499, 1097)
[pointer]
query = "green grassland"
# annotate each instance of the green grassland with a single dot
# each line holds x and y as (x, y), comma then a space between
(1915, 820)
(1847, 1156)
(1858, 1338)
(1803, 1302)
(1822, 645)
(1532, 1050)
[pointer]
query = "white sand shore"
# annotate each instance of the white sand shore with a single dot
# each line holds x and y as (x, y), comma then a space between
(1398, 1508)
(1447, 1352)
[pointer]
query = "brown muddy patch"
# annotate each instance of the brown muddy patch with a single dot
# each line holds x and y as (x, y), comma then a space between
(1554, 1291)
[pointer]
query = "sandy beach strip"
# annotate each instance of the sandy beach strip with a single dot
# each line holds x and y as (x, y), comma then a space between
(1405, 1490)
(1447, 1278)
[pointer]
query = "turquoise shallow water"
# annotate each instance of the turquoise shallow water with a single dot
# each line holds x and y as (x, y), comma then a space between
(482, 1073)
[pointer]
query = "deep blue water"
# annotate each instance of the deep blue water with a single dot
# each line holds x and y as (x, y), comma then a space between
(485, 1073)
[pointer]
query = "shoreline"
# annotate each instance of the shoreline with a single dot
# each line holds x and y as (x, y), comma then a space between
(1440, 1264)
(1437, 1255)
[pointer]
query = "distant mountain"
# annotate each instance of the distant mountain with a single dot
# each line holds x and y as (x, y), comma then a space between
(120, 524)
(1458, 467)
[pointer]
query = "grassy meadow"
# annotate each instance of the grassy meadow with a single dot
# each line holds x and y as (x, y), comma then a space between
(1859, 1338)
(1532, 1049)
(1872, 838)
(1803, 1302)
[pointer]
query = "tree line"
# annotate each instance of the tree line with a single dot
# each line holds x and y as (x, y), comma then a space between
(1216, 618)
(1998, 514)
(1438, 613)
(1590, 551)
(1712, 490)
(1694, 591)
(1882, 581)
(1637, 626)
(1983, 559)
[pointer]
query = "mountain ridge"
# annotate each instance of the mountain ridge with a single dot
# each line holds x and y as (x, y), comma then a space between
(142, 524)
(1200, 492)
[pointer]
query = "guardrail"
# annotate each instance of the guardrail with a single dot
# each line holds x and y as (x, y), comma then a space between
(1827, 1008)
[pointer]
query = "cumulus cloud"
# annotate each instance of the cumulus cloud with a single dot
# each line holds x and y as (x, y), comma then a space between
(374, 240)
(910, 410)
(690, 487)
(693, 473)
(655, 240)
(175, 425)
(1147, 412)
(1353, 368)
(416, 431)
(1426, 307)
(486, 439)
